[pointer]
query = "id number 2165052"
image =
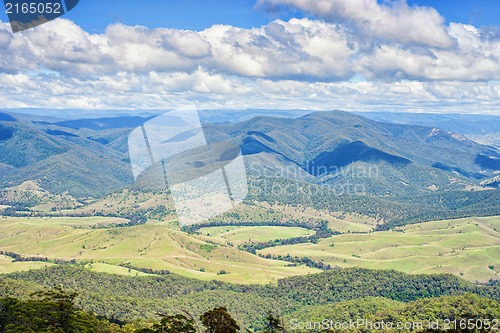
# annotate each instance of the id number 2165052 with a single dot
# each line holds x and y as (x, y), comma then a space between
(34, 8)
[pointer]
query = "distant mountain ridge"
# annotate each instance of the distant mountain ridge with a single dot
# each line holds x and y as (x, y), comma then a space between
(58, 160)
(91, 155)
(317, 146)
(104, 123)
(467, 124)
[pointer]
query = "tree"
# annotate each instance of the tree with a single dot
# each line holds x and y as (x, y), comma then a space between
(273, 324)
(59, 304)
(219, 320)
(6, 312)
(175, 324)
(50, 312)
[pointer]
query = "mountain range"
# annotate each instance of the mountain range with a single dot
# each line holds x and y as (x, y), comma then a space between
(346, 155)
(334, 148)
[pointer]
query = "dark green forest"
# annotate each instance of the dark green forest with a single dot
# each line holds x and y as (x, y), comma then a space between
(74, 299)
(391, 210)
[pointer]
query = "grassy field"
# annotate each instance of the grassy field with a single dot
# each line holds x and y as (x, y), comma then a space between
(153, 246)
(77, 222)
(239, 235)
(267, 212)
(469, 248)
(113, 269)
(8, 266)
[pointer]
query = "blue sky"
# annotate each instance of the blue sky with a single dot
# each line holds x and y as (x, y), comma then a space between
(96, 15)
(474, 12)
(361, 55)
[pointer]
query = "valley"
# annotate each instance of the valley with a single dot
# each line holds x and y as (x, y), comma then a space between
(261, 166)
(468, 248)
(151, 246)
(68, 196)
(343, 213)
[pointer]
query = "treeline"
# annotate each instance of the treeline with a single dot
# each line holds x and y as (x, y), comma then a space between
(295, 260)
(146, 270)
(125, 299)
(320, 227)
(138, 217)
(393, 210)
(54, 311)
(194, 228)
(19, 258)
(322, 231)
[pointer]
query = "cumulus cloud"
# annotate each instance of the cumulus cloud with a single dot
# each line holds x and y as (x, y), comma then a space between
(303, 49)
(300, 49)
(359, 55)
(64, 47)
(475, 58)
(393, 21)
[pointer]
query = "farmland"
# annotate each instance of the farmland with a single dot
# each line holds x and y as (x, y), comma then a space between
(469, 248)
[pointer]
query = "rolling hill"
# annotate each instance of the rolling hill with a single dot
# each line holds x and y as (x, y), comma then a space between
(316, 148)
(468, 248)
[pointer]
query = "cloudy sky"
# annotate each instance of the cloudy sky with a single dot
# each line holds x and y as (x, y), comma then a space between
(358, 55)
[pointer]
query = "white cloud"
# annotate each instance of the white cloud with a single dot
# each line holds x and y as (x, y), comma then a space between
(64, 47)
(300, 63)
(394, 21)
(474, 58)
(188, 43)
(300, 49)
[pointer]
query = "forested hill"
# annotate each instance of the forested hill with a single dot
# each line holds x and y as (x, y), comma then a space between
(337, 161)
(125, 299)
(54, 311)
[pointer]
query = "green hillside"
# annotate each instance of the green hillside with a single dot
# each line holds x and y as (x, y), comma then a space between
(59, 161)
(469, 248)
(333, 161)
(150, 246)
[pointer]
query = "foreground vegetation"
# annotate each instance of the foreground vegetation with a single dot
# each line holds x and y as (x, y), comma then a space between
(124, 299)
(74, 299)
